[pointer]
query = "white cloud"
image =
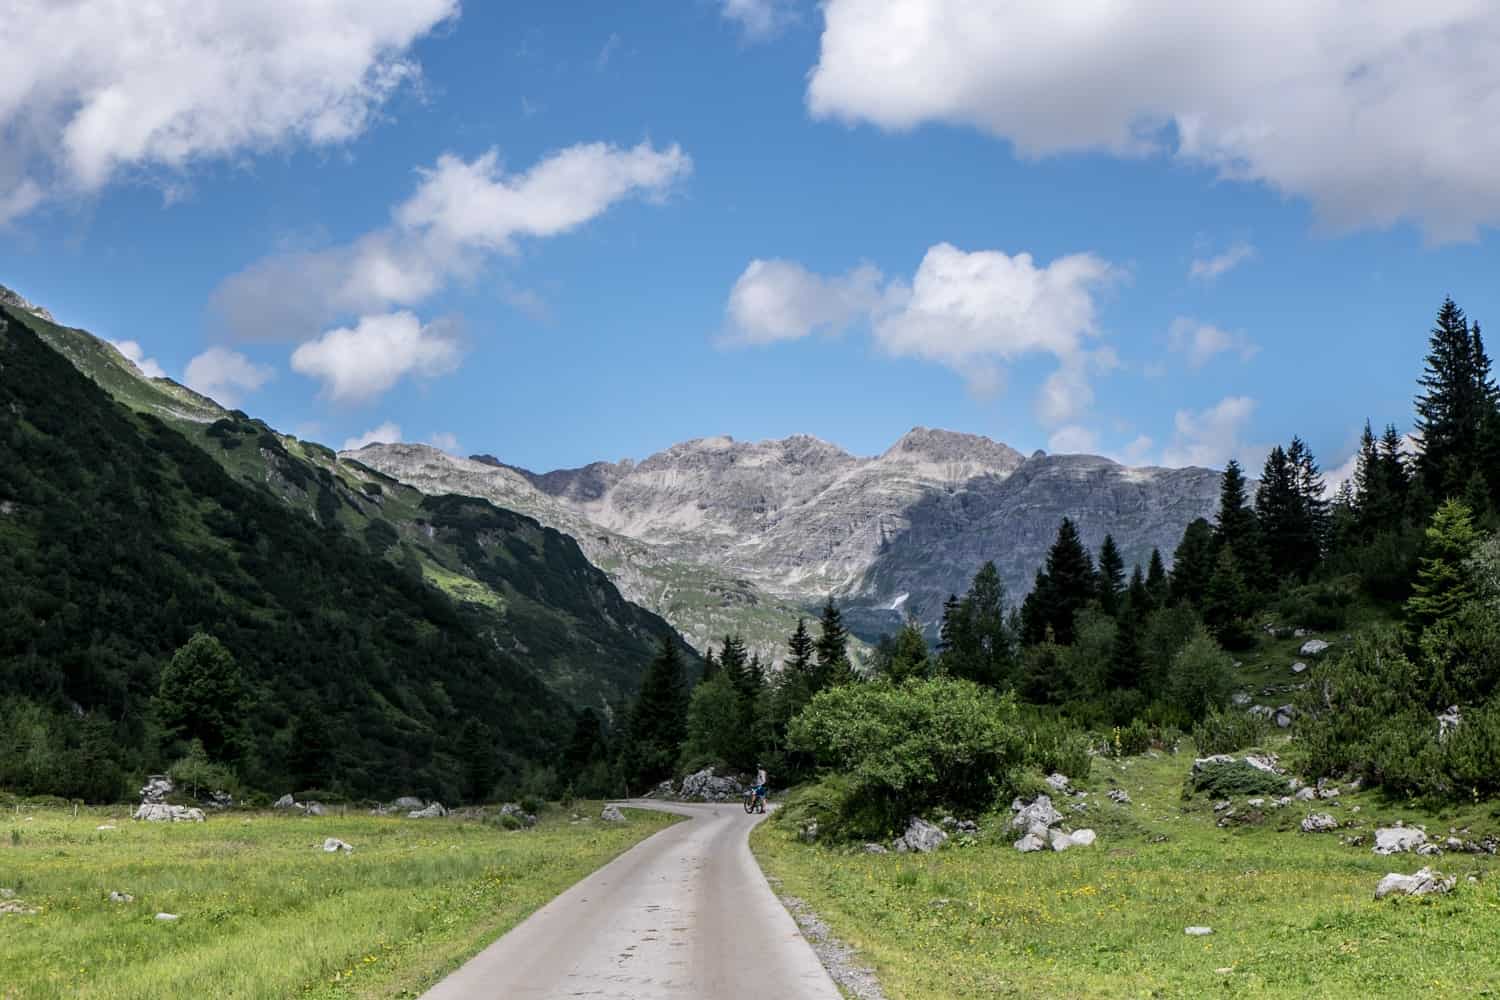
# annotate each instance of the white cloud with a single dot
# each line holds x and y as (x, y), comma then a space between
(1138, 451)
(1209, 268)
(1213, 436)
(444, 441)
(359, 363)
(611, 45)
(1376, 111)
(973, 312)
(1335, 478)
(461, 213)
(96, 88)
(1201, 342)
(386, 433)
(1073, 440)
(782, 300)
(136, 355)
(225, 375)
(758, 19)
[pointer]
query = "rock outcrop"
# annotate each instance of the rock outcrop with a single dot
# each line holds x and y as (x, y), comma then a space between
(1425, 882)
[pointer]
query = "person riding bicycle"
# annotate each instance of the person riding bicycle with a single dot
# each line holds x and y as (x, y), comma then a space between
(760, 783)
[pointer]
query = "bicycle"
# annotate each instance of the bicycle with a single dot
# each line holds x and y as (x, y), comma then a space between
(755, 802)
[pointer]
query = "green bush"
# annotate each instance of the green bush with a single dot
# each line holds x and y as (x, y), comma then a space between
(1323, 606)
(1132, 740)
(1225, 780)
(1054, 746)
(1227, 731)
(911, 747)
(1202, 676)
(836, 803)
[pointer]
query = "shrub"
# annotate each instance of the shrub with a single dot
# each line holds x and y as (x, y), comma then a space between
(836, 804)
(1323, 606)
(1202, 676)
(196, 775)
(1225, 780)
(912, 747)
(1053, 746)
(1227, 731)
(1132, 740)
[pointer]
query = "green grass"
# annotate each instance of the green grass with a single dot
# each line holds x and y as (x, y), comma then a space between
(264, 912)
(1292, 913)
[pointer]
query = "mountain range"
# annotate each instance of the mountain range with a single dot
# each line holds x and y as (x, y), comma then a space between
(720, 535)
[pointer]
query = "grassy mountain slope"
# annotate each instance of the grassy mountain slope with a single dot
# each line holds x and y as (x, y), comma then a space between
(529, 589)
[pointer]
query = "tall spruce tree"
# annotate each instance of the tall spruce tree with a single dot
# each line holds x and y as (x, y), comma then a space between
(1070, 582)
(1278, 507)
(1127, 666)
(908, 658)
(1157, 583)
(1192, 564)
(1312, 508)
(979, 645)
(832, 646)
(1236, 526)
(1445, 581)
(1452, 407)
(1226, 603)
(658, 719)
(1111, 576)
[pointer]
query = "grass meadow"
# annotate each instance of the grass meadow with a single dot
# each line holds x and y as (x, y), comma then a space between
(1293, 914)
(263, 912)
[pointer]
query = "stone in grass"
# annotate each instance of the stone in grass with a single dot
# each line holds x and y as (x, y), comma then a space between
(1119, 796)
(1034, 840)
(167, 917)
(1425, 882)
(1059, 783)
(1039, 812)
(923, 837)
(1397, 839)
(333, 845)
(121, 897)
(1319, 823)
(160, 812)
(1313, 647)
(612, 814)
(1298, 667)
(14, 907)
(876, 849)
(1197, 931)
(433, 811)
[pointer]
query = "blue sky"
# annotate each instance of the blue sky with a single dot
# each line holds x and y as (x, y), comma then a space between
(534, 231)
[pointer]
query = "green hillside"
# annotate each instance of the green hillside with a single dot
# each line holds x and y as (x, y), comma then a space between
(535, 596)
(120, 538)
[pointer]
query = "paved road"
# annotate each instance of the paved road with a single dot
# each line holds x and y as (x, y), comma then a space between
(685, 913)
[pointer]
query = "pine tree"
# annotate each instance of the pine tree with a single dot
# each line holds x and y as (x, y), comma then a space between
(908, 658)
(1138, 593)
(710, 665)
(1451, 408)
(1192, 563)
(833, 665)
(658, 720)
(1444, 583)
(800, 651)
(202, 696)
(951, 634)
(1071, 582)
(1312, 508)
(1278, 507)
(1226, 603)
(587, 745)
(978, 645)
(1111, 576)
(1235, 524)
(1158, 586)
(476, 752)
(1126, 664)
(734, 662)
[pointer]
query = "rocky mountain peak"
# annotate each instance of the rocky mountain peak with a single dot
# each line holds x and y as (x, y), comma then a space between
(15, 301)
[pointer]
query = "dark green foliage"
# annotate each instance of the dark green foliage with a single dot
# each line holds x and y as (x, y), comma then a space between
(716, 736)
(476, 754)
(1201, 678)
(1064, 586)
(1456, 406)
(1444, 584)
(1111, 576)
(1237, 780)
(833, 666)
(1193, 563)
(128, 539)
(1158, 585)
(1055, 746)
(905, 657)
(1237, 527)
(1228, 731)
(658, 720)
(911, 747)
(202, 697)
(977, 641)
(1323, 605)
(1227, 603)
(1291, 512)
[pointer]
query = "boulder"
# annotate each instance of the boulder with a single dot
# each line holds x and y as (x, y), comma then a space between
(1197, 931)
(1119, 796)
(1313, 647)
(1319, 823)
(1448, 721)
(665, 790)
(612, 814)
(287, 802)
(333, 845)
(1039, 812)
(1059, 841)
(1298, 667)
(1430, 851)
(166, 917)
(14, 907)
(433, 810)
(1267, 762)
(705, 786)
(1083, 838)
(160, 812)
(1034, 840)
(1219, 758)
(220, 800)
(1240, 699)
(967, 827)
(1059, 783)
(1425, 882)
(1307, 794)
(1284, 716)
(407, 803)
(875, 849)
(156, 789)
(1397, 839)
(923, 837)
(318, 809)
(121, 897)
(526, 819)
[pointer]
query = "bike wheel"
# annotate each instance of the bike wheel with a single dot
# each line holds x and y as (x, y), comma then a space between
(750, 804)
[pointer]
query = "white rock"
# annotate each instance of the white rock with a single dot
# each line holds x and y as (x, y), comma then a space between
(333, 845)
(612, 814)
(285, 802)
(121, 897)
(1448, 721)
(105, 826)
(1425, 882)
(1034, 840)
(1197, 931)
(1396, 839)
(160, 812)
(1119, 796)
(433, 810)
(1313, 647)
(1307, 794)
(166, 916)
(1039, 813)
(1058, 783)
(1083, 838)
(923, 837)
(1319, 823)
(1060, 841)
(1298, 667)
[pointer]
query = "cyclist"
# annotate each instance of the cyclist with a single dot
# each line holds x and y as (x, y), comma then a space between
(760, 783)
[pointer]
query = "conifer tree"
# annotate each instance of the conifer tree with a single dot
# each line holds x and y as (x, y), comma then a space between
(1111, 576)
(951, 634)
(1236, 525)
(1312, 508)
(476, 752)
(1070, 582)
(1445, 582)
(1226, 602)
(833, 665)
(710, 665)
(800, 651)
(202, 696)
(1192, 563)
(1126, 663)
(1138, 594)
(1278, 507)
(978, 644)
(658, 719)
(909, 659)
(1158, 586)
(1453, 406)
